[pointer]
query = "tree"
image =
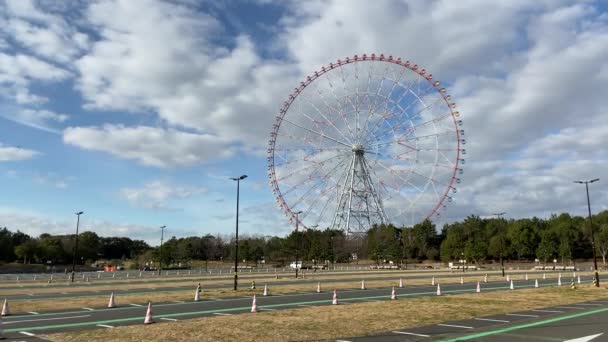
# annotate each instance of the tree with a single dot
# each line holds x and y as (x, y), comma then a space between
(27, 251)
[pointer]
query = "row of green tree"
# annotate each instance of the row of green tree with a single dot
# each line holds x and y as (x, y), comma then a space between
(563, 237)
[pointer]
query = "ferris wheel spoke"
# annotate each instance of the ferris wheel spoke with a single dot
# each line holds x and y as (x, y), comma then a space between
(324, 117)
(401, 178)
(373, 110)
(336, 110)
(318, 133)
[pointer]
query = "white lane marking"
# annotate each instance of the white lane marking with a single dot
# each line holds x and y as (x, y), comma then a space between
(105, 326)
(135, 304)
(27, 333)
(169, 319)
(178, 301)
(222, 314)
(305, 306)
(64, 293)
(569, 307)
(89, 309)
(556, 311)
(33, 312)
(522, 315)
(455, 326)
(588, 304)
(492, 320)
(30, 294)
(410, 333)
(45, 319)
(586, 338)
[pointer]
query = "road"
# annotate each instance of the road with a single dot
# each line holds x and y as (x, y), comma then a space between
(577, 322)
(30, 293)
(133, 313)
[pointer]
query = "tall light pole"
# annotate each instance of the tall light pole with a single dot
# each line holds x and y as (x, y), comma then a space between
(597, 276)
(160, 259)
(75, 246)
(502, 244)
(236, 242)
(297, 240)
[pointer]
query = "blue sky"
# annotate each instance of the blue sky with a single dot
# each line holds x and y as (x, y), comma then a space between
(137, 112)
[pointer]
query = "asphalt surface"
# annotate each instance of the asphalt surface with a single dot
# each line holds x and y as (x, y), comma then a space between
(29, 293)
(134, 313)
(579, 322)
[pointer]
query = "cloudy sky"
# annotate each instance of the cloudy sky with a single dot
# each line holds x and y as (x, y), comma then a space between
(138, 112)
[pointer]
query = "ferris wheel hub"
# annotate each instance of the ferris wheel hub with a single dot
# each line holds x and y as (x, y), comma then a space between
(358, 148)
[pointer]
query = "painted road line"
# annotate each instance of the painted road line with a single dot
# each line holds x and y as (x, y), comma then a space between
(569, 307)
(177, 301)
(522, 315)
(455, 326)
(554, 311)
(30, 294)
(410, 333)
(492, 320)
(133, 304)
(222, 314)
(306, 306)
(33, 312)
(589, 304)
(89, 309)
(44, 319)
(216, 299)
(169, 319)
(523, 326)
(105, 326)
(65, 293)
(27, 333)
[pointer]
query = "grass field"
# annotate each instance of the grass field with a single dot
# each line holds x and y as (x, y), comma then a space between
(331, 322)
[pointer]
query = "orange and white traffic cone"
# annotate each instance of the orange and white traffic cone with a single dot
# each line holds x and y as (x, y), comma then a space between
(526, 277)
(319, 287)
(400, 283)
(578, 279)
(148, 319)
(485, 278)
(478, 289)
(197, 294)
(111, 303)
(511, 285)
(536, 283)
(254, 306)
(393, 295)
(508, 278)
(433, 281)
(265, 290)
(363, 285)
(461, 280)
(559, 280)
(438, 290)
(334, 300)
(544, 275)
(5, 311)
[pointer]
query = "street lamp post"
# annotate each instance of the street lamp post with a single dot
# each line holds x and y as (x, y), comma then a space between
(597, 276)
(160, 259)
(75, 246)
(236, 243)
(502, 245)
(297, 240)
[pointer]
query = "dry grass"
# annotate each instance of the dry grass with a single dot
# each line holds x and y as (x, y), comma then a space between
(331, 322)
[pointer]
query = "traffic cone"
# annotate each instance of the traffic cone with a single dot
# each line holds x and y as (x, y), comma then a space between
(485, 278)
(544, 275)
(265, 290)
(5, 311)
(1, 330)
(438, 290)
(393, 296)
(536, 283)
(578, 279)
(478, 289)
(433, 281)
(400, 283)
(148, 319)
(254, 306)
(362, 284)
(461, 280)
(574, 274)
(319, 287)
(111, 303)
(559, 280)
(526, 277)
(511, 286)
(197, 294)
(572, 284)
(334, 300)
(508, 278)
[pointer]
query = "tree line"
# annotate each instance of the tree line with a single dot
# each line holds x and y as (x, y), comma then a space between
(562, 237)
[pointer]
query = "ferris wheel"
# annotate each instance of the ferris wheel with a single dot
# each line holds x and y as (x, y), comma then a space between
(366, 140)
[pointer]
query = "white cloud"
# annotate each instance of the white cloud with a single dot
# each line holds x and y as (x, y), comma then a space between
(9, 153)
(40, 119)
(148, 145)
(157, 194)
